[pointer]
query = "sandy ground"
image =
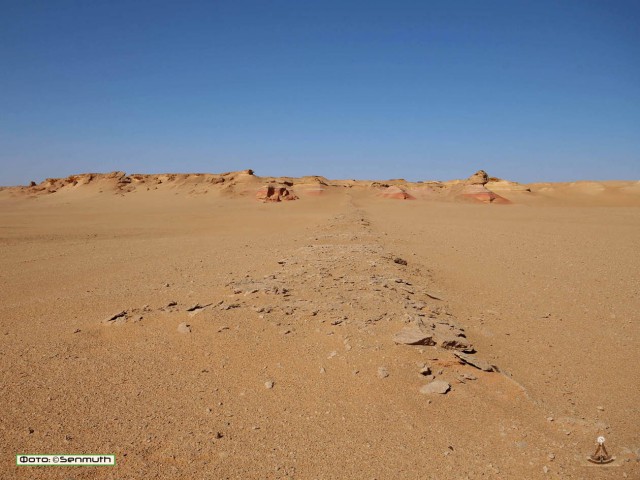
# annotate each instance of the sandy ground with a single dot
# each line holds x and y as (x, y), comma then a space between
(290, 369)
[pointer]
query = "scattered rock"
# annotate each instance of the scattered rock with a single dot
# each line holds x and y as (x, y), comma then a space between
(426, 370)
(437, 386)
(173, 303)
(383, 372)
(399, 261)
(184, 328)
(475, 361)
(413, 336)
(269, 384)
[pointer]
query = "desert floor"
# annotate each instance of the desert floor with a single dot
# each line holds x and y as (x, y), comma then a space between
(290, 369)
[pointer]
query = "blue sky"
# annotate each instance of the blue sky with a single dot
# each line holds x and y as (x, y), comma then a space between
(528, 90)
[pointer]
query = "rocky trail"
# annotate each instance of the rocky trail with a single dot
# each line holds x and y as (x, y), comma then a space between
(327, 351)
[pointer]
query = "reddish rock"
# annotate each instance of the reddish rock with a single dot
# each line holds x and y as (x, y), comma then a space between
(275, 193)
(396, 193)
(479, 193)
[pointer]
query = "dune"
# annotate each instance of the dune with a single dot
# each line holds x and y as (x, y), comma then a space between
(199, 325)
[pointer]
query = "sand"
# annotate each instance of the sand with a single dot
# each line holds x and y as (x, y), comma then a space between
(195, 331)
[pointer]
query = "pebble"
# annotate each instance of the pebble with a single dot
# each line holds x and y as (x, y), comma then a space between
(269, 384)
(383, 372)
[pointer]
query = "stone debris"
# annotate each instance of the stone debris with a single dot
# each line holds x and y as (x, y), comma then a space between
(184, 328)
(355, 301)
(269, 384)
(475, 361)
(437, 386)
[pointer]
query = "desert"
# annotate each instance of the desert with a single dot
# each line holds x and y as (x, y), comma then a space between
(242, 326)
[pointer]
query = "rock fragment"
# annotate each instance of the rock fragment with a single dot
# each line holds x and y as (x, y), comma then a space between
(383, 372)
(399, 261)
(437, 386)
(196, 306)
(413, 336)
(115, 316)
(475, 361)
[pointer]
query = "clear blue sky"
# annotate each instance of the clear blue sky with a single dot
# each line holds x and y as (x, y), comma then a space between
(528, 90)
